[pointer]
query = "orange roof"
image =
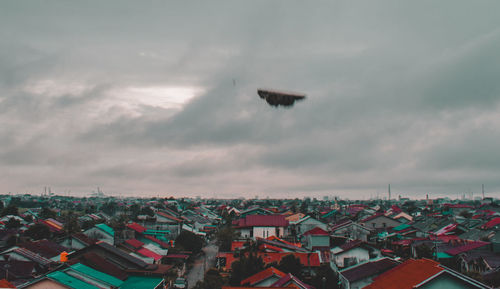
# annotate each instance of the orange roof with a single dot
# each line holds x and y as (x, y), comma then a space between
(262, 275)
(237, 245)
(274, 238)
(406, 275)
(295, 217)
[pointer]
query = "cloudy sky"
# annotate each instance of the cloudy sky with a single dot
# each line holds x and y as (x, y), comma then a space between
(153, 97)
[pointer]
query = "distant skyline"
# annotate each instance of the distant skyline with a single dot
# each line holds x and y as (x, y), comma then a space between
(143, 99)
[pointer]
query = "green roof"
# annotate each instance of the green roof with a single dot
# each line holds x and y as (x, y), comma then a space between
(401, 227)
(106, 229)
(134, 282)
(70, 281)
(92, 273)
(329, 214)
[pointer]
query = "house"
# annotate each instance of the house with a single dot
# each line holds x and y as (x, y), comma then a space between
(305, 224)
(362, 274)
(262, 226)
(316, 238)
(291, 281)
(351, 230)
(379, 221)
(353, 252)
(101, 232)
(423, 273)
(264, 278)
(77, 241)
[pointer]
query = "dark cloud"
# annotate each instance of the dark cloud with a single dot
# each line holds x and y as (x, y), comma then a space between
(404, 94)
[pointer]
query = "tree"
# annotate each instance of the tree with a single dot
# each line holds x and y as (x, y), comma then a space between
(71, 224)
(12, 223)
(147, 211)
(10, 210)
(225, 237)
(189, 241)
(47, 213)
(212, 280)
(325, 278)
(38, 232)
(247, 266)
(291, 264)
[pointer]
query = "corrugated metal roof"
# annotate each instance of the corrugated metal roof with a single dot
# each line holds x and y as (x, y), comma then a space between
(106, 229)
(134, 282)
(70, 281)
(263, 221)
(96, 274)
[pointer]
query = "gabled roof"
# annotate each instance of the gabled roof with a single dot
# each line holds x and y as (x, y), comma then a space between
(262, 221)
(136, 227)
(368, 269)
(135, 282)
(97, 262)
(150, 254)
(492, 223)
(95, 274)
(69, 281)
(84, 238)
(407, 275)
(316, 232)
(288, 279)
(107, 229)
(134, 243)
(44, 248)
(467, 247)
(119, 253)
(168, 216)
(262, 275)
(350, 245)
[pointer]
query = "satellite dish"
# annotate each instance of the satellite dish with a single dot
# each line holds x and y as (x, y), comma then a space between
(277, 98)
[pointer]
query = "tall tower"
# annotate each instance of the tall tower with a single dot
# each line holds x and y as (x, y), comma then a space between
(483, 190)
(389, 192)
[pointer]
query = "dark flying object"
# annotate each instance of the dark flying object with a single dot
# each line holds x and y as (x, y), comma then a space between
(277, 98)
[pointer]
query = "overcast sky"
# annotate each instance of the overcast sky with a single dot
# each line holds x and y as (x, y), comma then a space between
(148, 98)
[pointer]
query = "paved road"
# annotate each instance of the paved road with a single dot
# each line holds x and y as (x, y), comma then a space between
(202, 264)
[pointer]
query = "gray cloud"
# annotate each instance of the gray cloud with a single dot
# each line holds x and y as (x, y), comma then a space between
(404, 94)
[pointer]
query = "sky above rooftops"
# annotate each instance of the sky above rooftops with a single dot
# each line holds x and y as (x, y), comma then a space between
(157, 98)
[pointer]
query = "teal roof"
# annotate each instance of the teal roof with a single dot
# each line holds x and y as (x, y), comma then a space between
(401, 227)
(329, 214)
(106, 229)
(443, 255)
(94, 274)
(134, 282)
(71, 282)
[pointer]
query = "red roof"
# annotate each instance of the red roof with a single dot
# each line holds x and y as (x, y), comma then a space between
(157, 241)
(317, 232)
(262, 275)
(165, 215)
(492, 223)
(134, 243)
(237, 245)
(149, 253)
(6, 284)
(270, 247)
(313, 258)
(373, 217)
(136, 227)
(467, 247)
(406, 275)
(263, 221)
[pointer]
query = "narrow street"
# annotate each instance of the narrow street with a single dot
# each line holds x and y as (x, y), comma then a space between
(202, 264)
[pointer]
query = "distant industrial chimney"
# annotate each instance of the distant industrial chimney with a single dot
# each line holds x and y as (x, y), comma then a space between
(389, 192)
(483, 190)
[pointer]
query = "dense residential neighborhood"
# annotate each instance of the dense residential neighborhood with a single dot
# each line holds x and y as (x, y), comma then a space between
(54, 241)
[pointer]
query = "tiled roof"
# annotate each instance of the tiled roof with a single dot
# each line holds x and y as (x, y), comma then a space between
(289, 278)
(237, 245)
(406, 275)
(351, 244)
(33, 256)
(45, 248)
(136, 227)
(368, 269)
(281, 244)
(373, 217)
(262, 275)
(467, 247)
(263, 221)
(317, 232)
